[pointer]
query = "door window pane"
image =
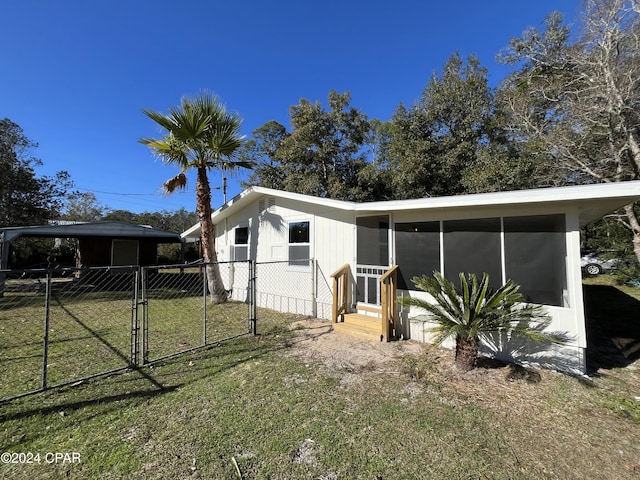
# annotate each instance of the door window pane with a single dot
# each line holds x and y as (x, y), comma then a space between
(373, 240)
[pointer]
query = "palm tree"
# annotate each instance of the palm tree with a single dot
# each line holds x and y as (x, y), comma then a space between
(475, 310)
(201, 135)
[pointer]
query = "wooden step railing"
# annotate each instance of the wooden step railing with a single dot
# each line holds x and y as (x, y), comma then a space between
(389, 292)
(341, 280)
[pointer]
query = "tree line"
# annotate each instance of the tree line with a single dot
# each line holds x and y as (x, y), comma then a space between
(567, 113)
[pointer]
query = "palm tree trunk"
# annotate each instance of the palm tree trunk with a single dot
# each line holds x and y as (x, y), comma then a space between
(466, 353)
(217, 292)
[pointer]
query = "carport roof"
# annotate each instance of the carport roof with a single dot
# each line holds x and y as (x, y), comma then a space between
(90, 229)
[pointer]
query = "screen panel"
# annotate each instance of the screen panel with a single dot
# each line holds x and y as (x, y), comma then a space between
(417, 251)
(535, 257)
(473, 246)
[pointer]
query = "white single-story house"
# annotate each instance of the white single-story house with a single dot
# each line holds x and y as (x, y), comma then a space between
(529, 236)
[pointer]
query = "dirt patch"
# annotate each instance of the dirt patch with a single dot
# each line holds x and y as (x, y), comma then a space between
(314, 341)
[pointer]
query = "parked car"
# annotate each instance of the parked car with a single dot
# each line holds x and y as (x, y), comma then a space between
(593, 264)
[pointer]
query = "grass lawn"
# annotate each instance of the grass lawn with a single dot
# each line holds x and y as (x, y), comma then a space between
(263, 407)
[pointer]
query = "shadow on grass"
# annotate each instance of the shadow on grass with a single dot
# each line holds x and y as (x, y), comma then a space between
(187, 369)
(101, 400)
(310, 333)
(613, 327)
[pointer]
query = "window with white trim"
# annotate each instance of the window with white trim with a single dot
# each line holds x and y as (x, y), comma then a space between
(299, 245)
(241, 244)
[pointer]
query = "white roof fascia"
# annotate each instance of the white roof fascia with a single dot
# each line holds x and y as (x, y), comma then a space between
(251, 193)
(619, 193)
(625, 191)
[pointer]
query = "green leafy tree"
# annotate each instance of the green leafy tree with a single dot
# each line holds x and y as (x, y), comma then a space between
(25, 198)
(121, 216)
(474, 310)
(323, 154)
(436, 141)
(456, 139)
(412, 151)
(375, 178)
(575, 98)
(201, 135)
(262, 150)
(83, 207)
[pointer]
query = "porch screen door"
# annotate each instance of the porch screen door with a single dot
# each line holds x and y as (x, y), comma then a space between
(372, 254)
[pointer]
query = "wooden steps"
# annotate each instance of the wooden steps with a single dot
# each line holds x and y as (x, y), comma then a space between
(362, 326)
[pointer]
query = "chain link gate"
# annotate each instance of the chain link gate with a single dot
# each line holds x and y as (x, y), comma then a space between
(52, 321)
(177, 316)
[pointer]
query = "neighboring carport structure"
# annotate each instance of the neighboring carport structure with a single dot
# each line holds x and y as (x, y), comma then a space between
(100, 243)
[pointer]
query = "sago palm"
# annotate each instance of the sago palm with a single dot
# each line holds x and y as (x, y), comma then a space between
(201, 135)
(475, 309)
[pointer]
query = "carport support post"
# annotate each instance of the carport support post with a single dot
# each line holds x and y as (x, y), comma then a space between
(4, 262)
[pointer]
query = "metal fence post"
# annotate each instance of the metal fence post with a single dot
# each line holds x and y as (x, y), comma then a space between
(314, 289)
(145, 318)
(47, 313)
(204, 304)
(135, 327)
(254, 298)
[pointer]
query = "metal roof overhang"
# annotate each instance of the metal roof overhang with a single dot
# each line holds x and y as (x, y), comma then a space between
(591, 201)
(91, 229)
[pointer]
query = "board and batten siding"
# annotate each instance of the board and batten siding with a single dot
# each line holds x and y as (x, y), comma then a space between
(280, 286)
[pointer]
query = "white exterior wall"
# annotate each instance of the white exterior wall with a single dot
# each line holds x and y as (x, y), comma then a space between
(307, 291)
(333, 243)
(568, 319)
(280, 286)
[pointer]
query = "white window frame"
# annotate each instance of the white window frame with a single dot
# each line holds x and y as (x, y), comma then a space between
(235, 246)
(298, 244)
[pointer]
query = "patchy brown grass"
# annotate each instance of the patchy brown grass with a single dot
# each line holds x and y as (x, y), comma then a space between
(300, 401)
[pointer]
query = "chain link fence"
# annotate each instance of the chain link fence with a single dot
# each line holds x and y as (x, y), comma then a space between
(178, 316)
(65, 325)
(62, 326)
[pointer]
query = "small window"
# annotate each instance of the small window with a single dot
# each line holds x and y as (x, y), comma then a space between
(299, 247)
(241, 244)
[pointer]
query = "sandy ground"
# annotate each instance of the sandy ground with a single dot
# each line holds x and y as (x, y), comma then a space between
(315, 341)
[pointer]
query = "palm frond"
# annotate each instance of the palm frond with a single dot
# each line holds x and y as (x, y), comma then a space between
(161, 119)
(179, 182)
(200, 133)
(476, 309)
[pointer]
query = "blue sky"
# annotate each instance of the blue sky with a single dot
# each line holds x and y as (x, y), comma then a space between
(76, 74)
